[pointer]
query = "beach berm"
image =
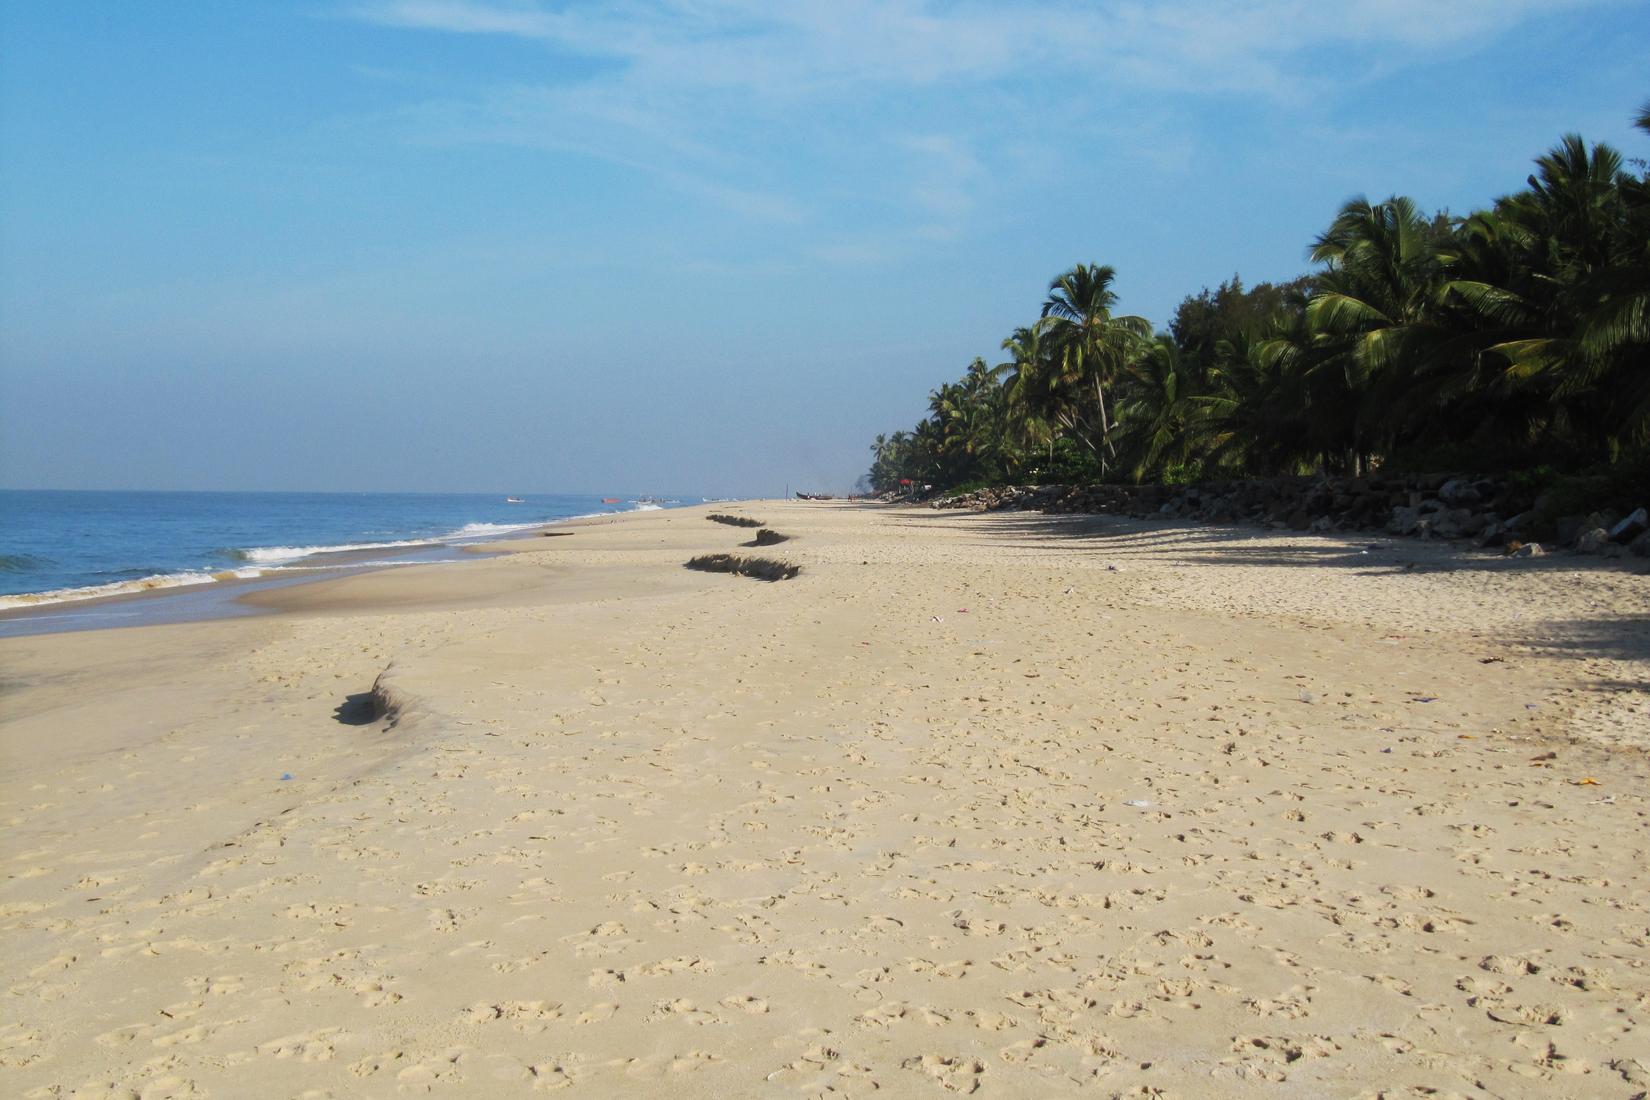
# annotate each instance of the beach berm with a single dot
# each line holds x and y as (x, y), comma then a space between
(1006, 805)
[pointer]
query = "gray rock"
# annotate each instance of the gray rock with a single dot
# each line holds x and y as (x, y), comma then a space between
(1569, 527)
(1631, 528)
(1641, 545)
(1404, 521)
(1591, 542)
(1458, 492)
(1456, 523)
(1529, 550)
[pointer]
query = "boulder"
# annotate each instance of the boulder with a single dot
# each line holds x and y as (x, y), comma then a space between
(1567, 528)
(1458, 492)
(1641, 545)
(1631, 528)
(1591, 542)
(1404, 521)
(1455, 523)
(1528, 550)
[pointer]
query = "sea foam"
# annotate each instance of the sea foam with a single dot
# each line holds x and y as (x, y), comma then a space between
(280, 555)
(125, 588)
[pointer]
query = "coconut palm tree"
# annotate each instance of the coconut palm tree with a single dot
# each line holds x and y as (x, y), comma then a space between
(1158, 410)
(1093, 346)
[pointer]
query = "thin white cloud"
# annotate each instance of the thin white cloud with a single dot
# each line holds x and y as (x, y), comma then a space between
(694, 92)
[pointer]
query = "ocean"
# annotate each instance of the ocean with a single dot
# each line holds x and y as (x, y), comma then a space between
(60, 547)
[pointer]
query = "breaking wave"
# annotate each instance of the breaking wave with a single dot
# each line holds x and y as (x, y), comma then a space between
(125, 588)
(279, 555)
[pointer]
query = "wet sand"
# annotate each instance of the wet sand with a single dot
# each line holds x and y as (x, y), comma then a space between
(1010, 805)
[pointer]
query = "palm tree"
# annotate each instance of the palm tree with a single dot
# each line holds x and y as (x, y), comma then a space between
(1158, 408)
(1033, 409)
(1093, 346)
(1584, 223)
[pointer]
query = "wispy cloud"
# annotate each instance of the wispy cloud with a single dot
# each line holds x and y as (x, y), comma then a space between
(701, 93)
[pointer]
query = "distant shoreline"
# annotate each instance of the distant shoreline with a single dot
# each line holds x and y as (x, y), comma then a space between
(286, 536)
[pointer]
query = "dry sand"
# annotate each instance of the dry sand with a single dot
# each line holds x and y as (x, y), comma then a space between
(1014, 805)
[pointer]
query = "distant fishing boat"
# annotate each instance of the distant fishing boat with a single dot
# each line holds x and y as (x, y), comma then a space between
(610, 500)
(514, 500)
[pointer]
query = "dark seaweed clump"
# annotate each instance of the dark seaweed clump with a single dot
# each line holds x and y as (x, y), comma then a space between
(763, 569)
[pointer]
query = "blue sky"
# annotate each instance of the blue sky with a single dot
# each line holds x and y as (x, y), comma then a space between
(678, 246)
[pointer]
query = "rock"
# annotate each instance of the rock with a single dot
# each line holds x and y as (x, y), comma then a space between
(1404, 521)
(1321, 525)
(1569, 527)
(1456, 523)
(1641, 545)
(1527, 550)
(1631, 528)
(1458, 492)
(1591, 542)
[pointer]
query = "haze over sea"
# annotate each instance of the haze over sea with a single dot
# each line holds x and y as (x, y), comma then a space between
(60, 546)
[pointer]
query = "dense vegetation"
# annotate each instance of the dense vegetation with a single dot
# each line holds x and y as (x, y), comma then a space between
(1516, 338)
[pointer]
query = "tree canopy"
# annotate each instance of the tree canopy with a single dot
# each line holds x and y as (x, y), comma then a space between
(1515, 337)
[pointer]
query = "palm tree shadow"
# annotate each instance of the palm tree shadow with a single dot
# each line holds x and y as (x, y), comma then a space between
(1370, 553)
(1623, 638)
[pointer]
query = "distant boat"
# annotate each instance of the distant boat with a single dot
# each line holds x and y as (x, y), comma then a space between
(514, 500)
(610, 500)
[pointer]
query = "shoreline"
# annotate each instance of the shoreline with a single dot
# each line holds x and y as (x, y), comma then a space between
(1013, 803)
(224, 594)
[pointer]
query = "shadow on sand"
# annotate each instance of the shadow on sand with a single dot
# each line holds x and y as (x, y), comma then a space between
(1622, 636)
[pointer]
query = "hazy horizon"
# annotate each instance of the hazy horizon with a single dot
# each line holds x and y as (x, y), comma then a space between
(706, 248)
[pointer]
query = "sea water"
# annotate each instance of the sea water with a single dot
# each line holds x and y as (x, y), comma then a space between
(61, 547)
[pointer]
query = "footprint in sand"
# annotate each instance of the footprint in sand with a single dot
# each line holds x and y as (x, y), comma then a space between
(309, 1046)
(683, 1009)
(527, 1017)
(954, 1074)
(753, 1005)
(596, 1013)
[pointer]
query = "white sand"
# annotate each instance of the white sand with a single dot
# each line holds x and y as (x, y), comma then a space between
(1012, 804)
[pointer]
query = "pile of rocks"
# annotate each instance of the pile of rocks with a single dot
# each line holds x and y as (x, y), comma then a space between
(1487, 511)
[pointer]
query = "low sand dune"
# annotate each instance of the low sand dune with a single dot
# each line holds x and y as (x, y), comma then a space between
(1009, 805)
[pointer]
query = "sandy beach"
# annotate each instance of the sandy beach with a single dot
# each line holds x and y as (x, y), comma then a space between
(1008, 805)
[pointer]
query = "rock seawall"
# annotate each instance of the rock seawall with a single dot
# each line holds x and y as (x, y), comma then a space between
(1487, 511)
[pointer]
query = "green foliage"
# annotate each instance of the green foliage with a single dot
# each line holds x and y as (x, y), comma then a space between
(1517, 337)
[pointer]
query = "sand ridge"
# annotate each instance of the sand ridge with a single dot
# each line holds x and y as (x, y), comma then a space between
(1007, 805)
